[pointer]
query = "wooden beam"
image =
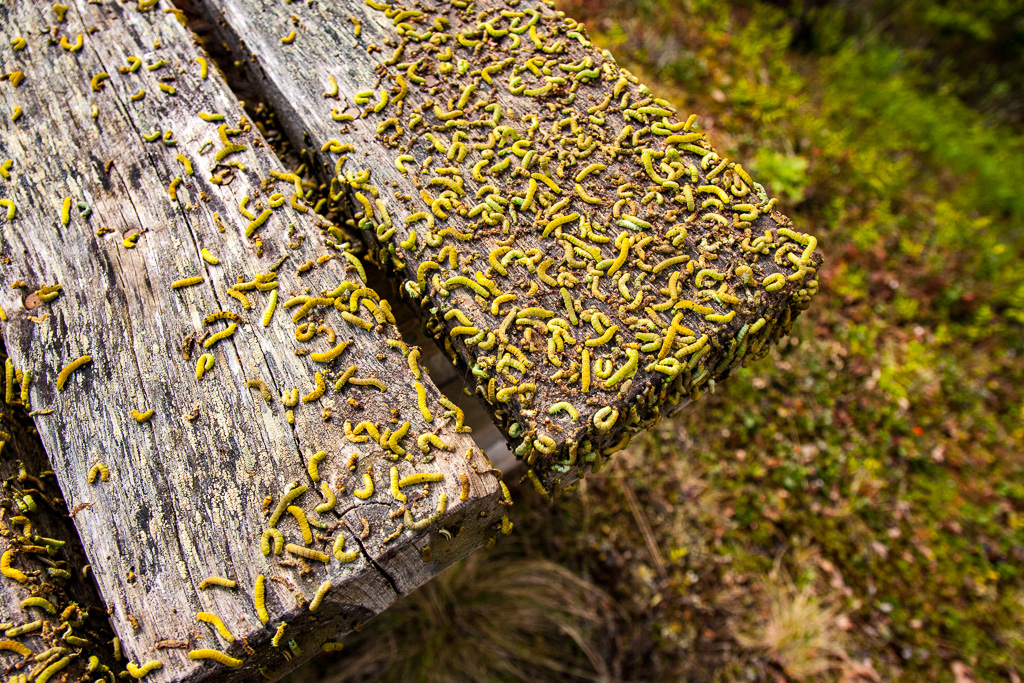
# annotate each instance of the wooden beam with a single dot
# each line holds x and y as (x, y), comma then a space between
(147, 229)
(40, 543)
(580, 250)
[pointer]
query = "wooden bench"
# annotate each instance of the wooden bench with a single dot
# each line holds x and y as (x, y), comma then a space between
(578, 250)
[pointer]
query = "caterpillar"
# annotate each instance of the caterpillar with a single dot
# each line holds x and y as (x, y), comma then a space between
(172, 189)
(330, 500)
(339, 550)
(41, 603)
(259, 599)
(98, 470)
(420, 478)
(213, 619)
(307, 553)
(300, 518)
(278, 541)
(426, 440)
(367, 489)
(215, 655)
(396, 493)
(318, 597)
(258, 222)
(396, 436)
(244, 300)
(442, 507)
(268, 312)
(328, 356)
(144, 669)
(261, 385)
(49, 671)
(221, 315)
(187, 282)
(421, 397)
(313, 466)
(627, 370)
(30, 627)
(204, 363)
(605, 418)
(72, 47)
(317, 392)
(414, 366)
(289, 496)
(64, 374)
(15, 646)
(566, 407)
(97, 81)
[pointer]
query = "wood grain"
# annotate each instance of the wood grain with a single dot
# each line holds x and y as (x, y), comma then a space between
(578, 248)
(189, 490)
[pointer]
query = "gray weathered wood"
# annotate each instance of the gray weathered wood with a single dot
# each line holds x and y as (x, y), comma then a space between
(189, 490)
(56, 572)
(529, 164)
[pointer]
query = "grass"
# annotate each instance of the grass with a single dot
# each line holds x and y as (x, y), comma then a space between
(491, 617)
(800, 633)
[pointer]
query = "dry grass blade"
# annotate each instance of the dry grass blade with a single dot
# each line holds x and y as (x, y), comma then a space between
(494, 617)
(645, 527)
(801, 631)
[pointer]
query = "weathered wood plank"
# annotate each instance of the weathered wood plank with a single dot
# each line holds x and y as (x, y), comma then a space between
(44, 547)
(583, 251)
(110, 144)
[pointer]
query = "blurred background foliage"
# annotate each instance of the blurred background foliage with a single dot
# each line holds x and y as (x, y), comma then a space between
(852, 507)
